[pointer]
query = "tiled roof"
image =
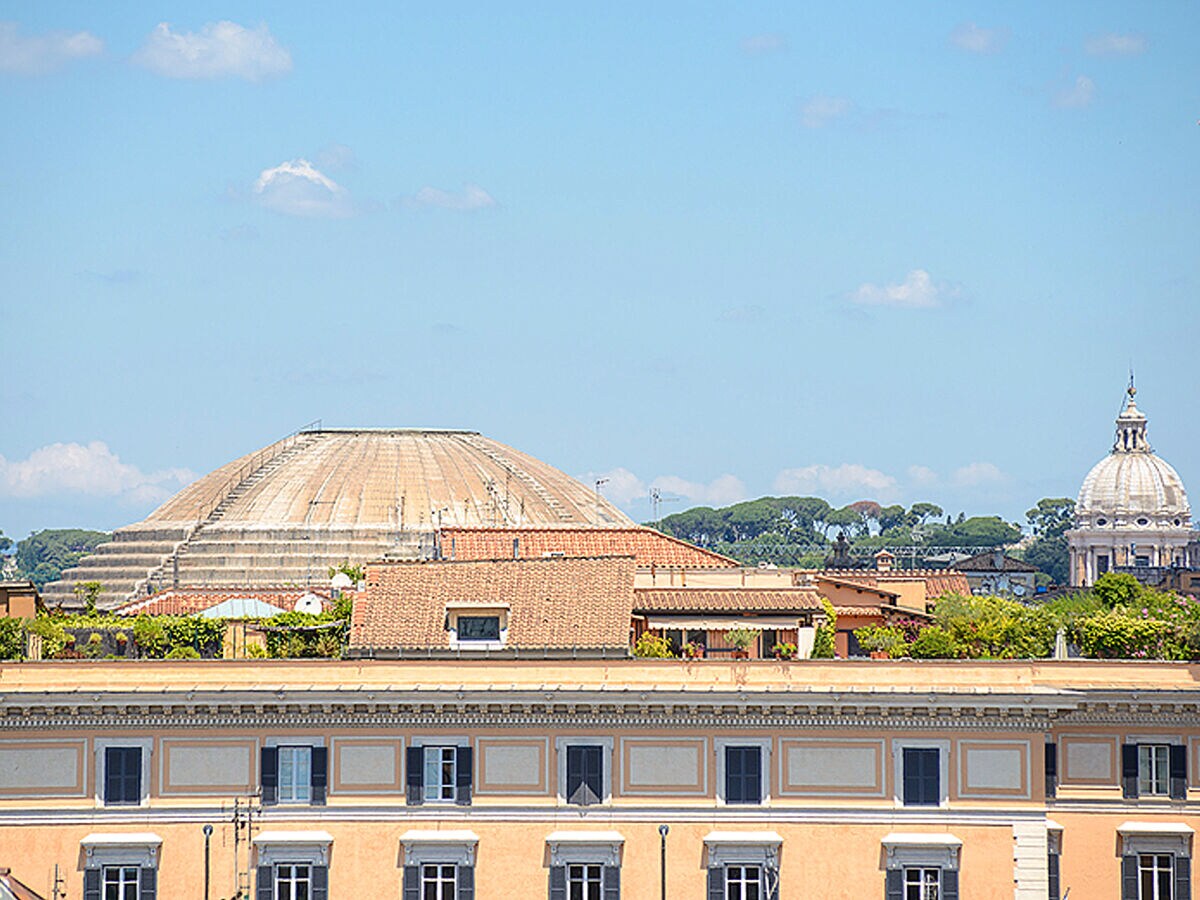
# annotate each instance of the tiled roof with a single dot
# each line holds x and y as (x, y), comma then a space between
(859, 585)
(186, 601)
(699, 600)
(553, 603)
(649, 547)
(986, 562)
(938, 582)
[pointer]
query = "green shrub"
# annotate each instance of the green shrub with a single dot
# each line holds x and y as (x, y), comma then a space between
(889, 639)
(53, 635)
(651, 646)
(936, 642)
(12, 639)
(184, 653)
(742, 638)
(824, 643)
(1116, 635)
(150, 636)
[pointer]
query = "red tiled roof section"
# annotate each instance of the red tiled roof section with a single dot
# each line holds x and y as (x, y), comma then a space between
(938, 582)
(559, 604)
(187, 601)
(724, 599)
(647, 546)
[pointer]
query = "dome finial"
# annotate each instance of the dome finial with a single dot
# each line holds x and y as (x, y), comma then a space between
(1131, 390)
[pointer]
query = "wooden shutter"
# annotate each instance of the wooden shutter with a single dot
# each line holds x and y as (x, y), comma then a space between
(558, 883)
(91, 884)
(1051, 768)
(148, 883)
(1129, 878)
(462, 778)
(1052, 874)
(122, 775)
(575, 771)
(1129, 772)
(949, 884)
(320, 775)
(1183, 878)
(320, 883)
(716, 883)
(1178, 771)
(752, 775)
(894, 889)
(266, 882)
(593, 771)
(466, 882)
(412, 883)
(112, 775)
(414, 765)
(612, 883)
(269, 775)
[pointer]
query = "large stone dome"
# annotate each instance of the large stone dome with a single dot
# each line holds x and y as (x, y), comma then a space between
(283, 514)
(1132, 486)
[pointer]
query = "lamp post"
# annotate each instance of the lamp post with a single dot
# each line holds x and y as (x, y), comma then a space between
(208, 830)
(663, 831)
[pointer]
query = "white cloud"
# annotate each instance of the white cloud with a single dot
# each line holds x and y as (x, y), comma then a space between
(37, 55)
(922, 476)
(917, 291)
(90, 469)
(759, 44)
(721, 491)
(337, 156)
(974, 39)
(620, 485)
(846, 480)
(1116, 45)
(1078, 95)
(217, 50)
(471, 197)
(976, 474)
(297, 188)
(819, 111)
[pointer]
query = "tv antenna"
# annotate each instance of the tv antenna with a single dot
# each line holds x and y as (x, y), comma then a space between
(656, 502)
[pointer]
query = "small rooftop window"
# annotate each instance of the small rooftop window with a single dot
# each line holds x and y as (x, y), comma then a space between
(478, 628)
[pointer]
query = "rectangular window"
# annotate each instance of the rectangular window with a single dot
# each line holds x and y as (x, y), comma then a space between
(922, 776)
(295, 774)
(438, 881)
(122, 776)
(585, 775)
(585, 882)
(440, 773)
(1102, 563)
(121, 882)
(743, 775)
(1155, 876)
(922, 884)
(478, 628)
(293, 882)
(743, 883)
(1154, 772)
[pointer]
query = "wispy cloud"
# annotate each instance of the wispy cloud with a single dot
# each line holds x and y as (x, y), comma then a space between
(91, 469)
(297, 188)
(976, 474)
(976, 39)
(337, 157)
(619, 485)
(218, 50)
(1078, 95)
(842, 481)
(917, 291)
(820, 110)
(39, 54)
(625, 488)
(471, 197)
(1113, 44)
(760, 44)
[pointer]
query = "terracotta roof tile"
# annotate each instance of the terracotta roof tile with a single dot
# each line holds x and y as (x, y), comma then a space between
(701, 600)
(649, 547)
(553, 603)
(938, 582)
(186, 601)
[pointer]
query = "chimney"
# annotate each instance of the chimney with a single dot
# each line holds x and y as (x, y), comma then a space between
(998, 559)
(883, 561)
(516, 548)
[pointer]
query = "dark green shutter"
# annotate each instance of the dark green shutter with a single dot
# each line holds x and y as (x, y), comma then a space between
(148, 883)
(266, 882)
(1183, 878)
(414, 764)
(558, 883)
(612, 883)
(716, 883)
(1052, 873)
(269, 775)
(320, 775)
(412, 883)
(320, 883)
(575, 771)
(1129, 878)
(466, 883)
(91, 884)
(949, 884)
(462, 777)
(1051, 769)
(894, 889)
(1129, 771)
(1179, 777)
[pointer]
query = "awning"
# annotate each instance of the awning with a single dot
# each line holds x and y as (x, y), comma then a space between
(722, 623)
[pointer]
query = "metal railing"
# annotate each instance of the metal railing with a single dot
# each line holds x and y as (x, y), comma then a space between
(252, 465)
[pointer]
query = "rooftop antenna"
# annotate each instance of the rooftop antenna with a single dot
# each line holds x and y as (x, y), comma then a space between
(600, 482)
(656, 502)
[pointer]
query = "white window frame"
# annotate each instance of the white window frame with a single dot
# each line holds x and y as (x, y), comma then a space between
(921, 882)
(1155, 857)
(456, 741)
(293, 882)
(499, 610)
(764, 745)
(1153, 771)
(293, 785)
(587, 881)
(123, 886)
(426, 765)
(607, 745)
(743, 882)
(444, 891)
(899, 745)
(146, 745)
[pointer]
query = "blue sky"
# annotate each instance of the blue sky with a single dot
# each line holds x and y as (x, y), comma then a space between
(861, 251)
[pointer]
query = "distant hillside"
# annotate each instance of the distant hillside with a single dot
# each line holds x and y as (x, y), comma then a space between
(44, 555)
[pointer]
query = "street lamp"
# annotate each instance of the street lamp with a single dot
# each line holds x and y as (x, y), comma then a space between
(663, 831)
(208, 830)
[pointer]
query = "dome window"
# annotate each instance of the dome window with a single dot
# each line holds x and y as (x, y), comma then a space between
(1178, 523)
(1102, 522)
(1143, 521)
